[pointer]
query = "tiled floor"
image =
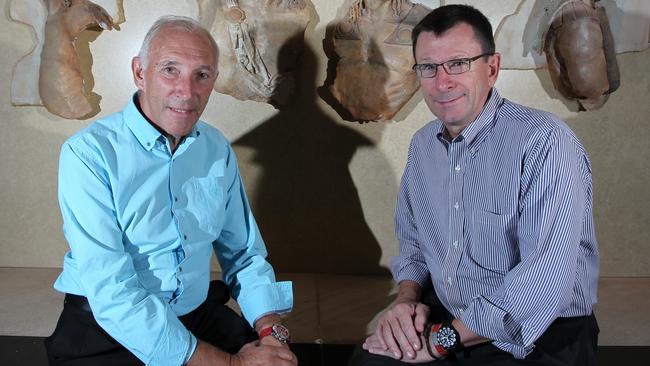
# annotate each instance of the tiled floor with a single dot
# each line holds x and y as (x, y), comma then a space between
(328, 309)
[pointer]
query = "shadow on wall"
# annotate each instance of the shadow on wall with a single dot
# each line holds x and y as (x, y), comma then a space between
(306, 203)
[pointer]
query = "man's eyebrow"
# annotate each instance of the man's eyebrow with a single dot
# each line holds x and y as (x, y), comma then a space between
(167, 63)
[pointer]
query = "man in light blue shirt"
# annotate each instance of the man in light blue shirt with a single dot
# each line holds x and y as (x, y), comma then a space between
(146, 194)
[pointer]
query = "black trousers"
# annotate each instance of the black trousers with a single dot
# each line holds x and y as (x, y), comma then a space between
(568, 341)
(78, 339)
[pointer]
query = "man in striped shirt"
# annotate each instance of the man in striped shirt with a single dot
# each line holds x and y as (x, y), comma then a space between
(494, 219)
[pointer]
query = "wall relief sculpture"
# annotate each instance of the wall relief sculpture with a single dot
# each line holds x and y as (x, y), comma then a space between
(580, 53)
(259, 45)
(51, 75)
(372, 52)
(520, 36)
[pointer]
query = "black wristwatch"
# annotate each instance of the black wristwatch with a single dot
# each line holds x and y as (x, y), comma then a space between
(445, 338)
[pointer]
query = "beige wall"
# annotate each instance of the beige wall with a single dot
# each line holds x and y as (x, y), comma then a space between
(322, 189)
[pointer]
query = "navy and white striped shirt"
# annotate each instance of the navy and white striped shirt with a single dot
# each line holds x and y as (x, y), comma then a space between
(500, 218)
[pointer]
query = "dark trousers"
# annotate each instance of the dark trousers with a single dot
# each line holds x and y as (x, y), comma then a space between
(568, 341)
(79, 340)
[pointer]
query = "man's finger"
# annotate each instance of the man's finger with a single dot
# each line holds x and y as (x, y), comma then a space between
(410, 337)
(285, 354)
(380, 336)
(400, 329)
(421, 316)
(389, 338)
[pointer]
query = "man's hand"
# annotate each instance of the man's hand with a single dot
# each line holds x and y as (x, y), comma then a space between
(400, 325)
(373, 346)
(252, 354)
(256, 354)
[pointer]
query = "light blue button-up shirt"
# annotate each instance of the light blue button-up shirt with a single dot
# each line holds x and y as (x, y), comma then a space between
(141, 223)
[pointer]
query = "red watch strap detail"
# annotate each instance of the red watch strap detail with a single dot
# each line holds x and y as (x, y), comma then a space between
(266, 332)
(440, 349)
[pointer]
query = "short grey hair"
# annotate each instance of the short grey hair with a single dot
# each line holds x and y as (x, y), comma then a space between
(183, 23)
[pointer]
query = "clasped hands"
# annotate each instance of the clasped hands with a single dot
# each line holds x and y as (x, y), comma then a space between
(399, 333)
(264, 352)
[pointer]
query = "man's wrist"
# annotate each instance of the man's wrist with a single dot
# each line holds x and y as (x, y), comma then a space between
(277, 331)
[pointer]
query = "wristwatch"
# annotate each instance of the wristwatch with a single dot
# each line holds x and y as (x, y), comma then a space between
(278, 331)
(445, 338)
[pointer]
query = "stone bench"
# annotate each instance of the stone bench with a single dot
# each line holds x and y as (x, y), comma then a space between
(330, 309)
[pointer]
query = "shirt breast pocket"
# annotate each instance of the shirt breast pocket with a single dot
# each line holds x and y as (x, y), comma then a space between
(493, 242)
(205, 202)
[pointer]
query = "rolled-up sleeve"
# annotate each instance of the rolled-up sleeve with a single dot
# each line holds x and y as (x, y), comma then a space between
(242, 255)
(410, 264)
(537, 289)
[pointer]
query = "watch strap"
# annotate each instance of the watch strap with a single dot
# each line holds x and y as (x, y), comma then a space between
(427, 340)
(278, 331)
(434, 340)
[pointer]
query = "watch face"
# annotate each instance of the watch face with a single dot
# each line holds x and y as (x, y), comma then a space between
(447, 337)
(281, 333)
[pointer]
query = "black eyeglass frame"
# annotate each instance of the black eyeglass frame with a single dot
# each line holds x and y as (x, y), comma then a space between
(469, 61)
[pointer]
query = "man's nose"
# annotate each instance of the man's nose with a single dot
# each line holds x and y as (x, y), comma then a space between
(442, 80)
(184, 87)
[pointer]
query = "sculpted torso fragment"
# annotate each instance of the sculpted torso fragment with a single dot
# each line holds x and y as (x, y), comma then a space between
(259, 45)
(61, 84)
(580, 54)
(54, 65)
(372, 41)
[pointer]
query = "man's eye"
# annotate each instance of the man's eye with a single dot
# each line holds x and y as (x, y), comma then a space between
(427, 66)
(455, 63)
(204, 75)
(168, 70)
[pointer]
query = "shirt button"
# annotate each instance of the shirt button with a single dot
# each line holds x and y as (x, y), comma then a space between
(457, 168)
(455, 243)
(175, 199)
(180, 269)
(185, 237)
(461, 311)
(456, 205)
(449, 280)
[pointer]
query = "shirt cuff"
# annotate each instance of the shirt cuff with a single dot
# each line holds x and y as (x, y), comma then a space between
(490, 321)
(173, 344)
(190, 349)
(259, 300)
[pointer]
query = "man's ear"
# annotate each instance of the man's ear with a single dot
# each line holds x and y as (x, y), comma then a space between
(138, 72)
(494, 63)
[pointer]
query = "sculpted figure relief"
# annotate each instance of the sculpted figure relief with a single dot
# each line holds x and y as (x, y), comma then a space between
(259, 43)
(61, 84)
(580, 53)
(372, 42)
(50, 74)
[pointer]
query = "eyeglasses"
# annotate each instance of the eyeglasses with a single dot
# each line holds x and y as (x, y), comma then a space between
(452, 67)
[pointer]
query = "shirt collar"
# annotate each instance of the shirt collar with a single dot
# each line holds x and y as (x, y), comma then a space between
(482, 122)
(485, 119)
(147, 134)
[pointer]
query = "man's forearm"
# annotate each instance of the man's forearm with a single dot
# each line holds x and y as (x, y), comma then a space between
(409, 291)
(267, 321)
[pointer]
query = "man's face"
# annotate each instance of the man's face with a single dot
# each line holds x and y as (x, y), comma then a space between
(456, 99)
(176, 85)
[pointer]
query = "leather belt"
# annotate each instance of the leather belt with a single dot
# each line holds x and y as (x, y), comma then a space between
(79, 302)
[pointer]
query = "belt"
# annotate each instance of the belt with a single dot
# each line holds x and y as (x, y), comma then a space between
(76, 301)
